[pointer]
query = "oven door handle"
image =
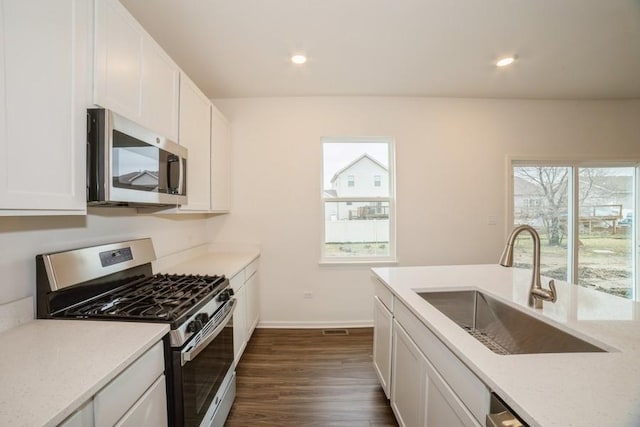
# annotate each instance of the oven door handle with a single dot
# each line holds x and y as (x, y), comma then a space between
(188, 356)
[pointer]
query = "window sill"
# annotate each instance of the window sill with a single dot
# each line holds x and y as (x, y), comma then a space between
(358, 263)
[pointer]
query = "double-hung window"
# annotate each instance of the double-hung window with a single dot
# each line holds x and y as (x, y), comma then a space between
(587, 216)
(358, 212)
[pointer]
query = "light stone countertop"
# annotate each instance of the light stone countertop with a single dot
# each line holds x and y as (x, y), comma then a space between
(49, 368)
(570, 389)
(207, 260)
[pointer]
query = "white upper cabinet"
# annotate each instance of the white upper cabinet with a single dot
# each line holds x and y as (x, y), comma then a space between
(220, 162)
(195, 135)
(44, 88)
(132, 74)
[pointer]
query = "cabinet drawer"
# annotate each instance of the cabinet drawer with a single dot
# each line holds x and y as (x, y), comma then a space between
(250, 269)
(150, 409)
(471, 391)
(384, 295)
(115, 399)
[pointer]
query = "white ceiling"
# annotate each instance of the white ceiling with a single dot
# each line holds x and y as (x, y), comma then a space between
(241, 48)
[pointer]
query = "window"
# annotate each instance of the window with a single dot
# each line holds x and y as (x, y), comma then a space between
(586, 215)
(358, 220)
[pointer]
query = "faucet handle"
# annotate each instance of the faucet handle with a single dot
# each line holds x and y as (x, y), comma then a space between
(553, 293)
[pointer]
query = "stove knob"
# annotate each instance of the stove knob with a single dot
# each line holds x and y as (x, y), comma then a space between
(224, 296)
(203, 318)
(194, 326)
(230, 292)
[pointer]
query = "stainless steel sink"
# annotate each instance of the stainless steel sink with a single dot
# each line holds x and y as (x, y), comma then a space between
(504, 329)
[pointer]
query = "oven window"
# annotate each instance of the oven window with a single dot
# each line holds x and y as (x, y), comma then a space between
(203, 376)
(137, 165)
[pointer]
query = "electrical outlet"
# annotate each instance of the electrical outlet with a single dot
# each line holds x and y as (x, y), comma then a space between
(492, 220)
(307, 294)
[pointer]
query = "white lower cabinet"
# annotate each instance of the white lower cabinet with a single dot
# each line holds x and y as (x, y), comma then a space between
(408, 381)
(136, 397)
(83, 417)
(420, 396)
(247, 313)
(382, 336)
(253, 303)
(239, 318)
(429, 385)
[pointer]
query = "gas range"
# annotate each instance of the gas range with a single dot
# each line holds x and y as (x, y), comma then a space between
(115, 282)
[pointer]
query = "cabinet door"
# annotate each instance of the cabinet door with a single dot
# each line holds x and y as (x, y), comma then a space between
(240, 324)
(118, 60)
(160, 90)
(132, 74)
(83, 417)
(253, 304)
(44, 57)
(220, 162)
(195, 135)
(409, 380)
(150, 409)
(382, 328)
(444, 408)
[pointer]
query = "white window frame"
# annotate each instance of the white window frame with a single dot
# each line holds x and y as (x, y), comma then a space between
(391, 199)
(573, 202)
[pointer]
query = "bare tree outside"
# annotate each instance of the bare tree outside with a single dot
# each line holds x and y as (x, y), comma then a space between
(604, 218)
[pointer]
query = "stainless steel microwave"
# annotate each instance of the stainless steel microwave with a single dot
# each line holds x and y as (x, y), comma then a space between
(129, 165)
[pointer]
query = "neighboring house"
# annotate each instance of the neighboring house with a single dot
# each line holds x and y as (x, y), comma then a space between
(363, 177)
(143, 180)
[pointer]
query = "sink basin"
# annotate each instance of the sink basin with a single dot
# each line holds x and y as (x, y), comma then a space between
(502, 328)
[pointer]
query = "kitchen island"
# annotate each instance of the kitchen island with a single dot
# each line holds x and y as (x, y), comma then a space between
(564, 389)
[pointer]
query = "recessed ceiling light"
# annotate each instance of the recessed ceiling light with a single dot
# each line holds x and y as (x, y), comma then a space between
(507, 60)
(298, 59)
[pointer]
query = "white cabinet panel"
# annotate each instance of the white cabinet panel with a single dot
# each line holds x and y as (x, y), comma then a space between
(150, 409)
(220, 162)
(160, 90)
(382, 336)
(253, 304)
(240, 324)
(44, 58)
(132, 74)
(83, 417)
(409, 380)
(195, 135)
(118, 60)
(115, 399)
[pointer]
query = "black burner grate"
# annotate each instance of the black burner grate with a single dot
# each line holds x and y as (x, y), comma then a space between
(159, 297)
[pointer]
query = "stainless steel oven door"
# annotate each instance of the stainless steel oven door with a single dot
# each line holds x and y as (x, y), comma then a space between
(205, 365)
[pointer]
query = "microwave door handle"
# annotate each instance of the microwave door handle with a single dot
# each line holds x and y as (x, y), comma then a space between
(188, 356)
(181, 172)
(171, 189)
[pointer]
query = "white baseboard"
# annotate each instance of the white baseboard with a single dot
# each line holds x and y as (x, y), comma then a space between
(315, 324)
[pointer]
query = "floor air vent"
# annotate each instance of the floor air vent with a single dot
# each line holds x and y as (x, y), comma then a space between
(335, 332)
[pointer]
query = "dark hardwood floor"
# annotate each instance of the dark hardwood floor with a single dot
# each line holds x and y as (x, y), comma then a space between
(300, 377)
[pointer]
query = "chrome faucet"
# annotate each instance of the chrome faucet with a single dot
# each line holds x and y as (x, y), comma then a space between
(537, 293)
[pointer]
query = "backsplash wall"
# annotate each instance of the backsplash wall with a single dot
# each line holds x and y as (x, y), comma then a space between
(24, 237)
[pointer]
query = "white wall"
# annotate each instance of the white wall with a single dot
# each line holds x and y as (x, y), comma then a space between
(451, 176)
(22, 238)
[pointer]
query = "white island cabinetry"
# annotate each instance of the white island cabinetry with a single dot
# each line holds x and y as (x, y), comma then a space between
(44, 92)
(429, 386)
